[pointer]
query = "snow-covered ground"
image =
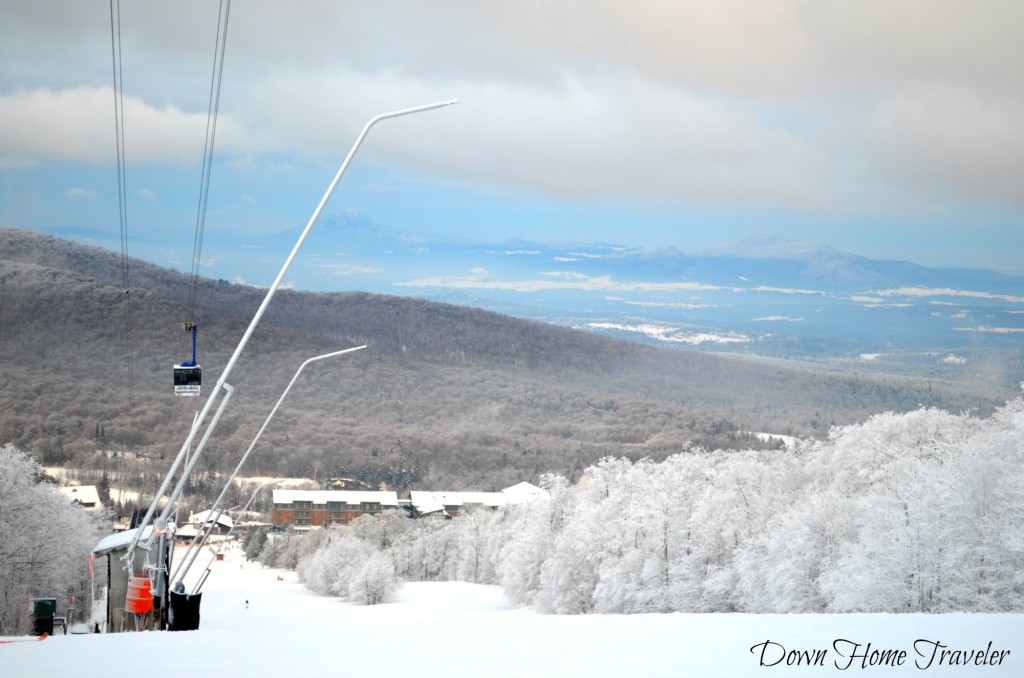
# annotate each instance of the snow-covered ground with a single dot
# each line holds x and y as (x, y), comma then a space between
(455, 629)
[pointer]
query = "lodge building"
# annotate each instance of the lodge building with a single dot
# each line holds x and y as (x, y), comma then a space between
(319, 508)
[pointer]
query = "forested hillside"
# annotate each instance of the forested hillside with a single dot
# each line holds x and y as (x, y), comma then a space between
(918, 512)
(443, 396)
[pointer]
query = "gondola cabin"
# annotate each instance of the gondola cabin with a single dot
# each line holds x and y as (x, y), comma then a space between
(188, 379)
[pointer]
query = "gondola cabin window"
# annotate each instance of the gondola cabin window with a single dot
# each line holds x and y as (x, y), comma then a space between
(187, 380)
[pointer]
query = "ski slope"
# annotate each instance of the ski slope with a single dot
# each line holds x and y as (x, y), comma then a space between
(454, 629)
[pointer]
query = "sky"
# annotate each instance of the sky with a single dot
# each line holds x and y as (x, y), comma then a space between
(890, 130)
(444, 629)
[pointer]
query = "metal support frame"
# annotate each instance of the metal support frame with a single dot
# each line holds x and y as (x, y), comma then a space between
(206, 573)
(195, 330)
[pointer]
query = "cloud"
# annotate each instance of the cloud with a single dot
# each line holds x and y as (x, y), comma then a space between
(662, 304)
(777, 318)
(793, 105)
(349, 269)
(952, 139)
(77, 125)
(993, 330)
(147, 194)
(80, 194)
(570, 282)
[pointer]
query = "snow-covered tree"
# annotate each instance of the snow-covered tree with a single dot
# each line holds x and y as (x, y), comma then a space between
(904, 512)
(375, 582)
(45, 541)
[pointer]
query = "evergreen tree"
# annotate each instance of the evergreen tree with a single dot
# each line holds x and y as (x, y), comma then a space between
(103, 489)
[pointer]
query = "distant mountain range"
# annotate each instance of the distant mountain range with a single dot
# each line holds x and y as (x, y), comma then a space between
(444, 395)
(766, 294)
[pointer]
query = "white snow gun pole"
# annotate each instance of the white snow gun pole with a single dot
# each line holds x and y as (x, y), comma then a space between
(222, 381)
(200, 539)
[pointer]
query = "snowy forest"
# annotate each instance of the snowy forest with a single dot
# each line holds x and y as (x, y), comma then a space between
(45, 541)
(915, 512)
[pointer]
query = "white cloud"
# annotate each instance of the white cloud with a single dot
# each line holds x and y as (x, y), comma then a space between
(778, 318)
(992, 330)
(80, 194)
(663, 304)
(808, 106)
(348, 269)
(78, 125)
(575, 282)
(786, 290)
(952, 138)
(147, 194)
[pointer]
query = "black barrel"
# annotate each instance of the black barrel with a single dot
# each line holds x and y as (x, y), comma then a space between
(183, 612)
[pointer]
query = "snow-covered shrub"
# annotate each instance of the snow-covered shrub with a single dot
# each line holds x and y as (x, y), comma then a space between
(375, 582)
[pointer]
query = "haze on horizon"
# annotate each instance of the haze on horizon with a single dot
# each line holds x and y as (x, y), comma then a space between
(886, 130)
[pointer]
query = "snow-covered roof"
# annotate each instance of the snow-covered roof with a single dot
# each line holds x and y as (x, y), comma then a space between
(351, 497)
(204, 517)
(186, 532)
(430, 502)
(86, 495)
(119, 540)
(425, 502)
(525, 488)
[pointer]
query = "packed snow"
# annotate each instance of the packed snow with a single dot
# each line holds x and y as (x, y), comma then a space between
(456, 629)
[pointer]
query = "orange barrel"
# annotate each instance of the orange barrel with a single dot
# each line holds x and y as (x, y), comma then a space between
(140, 597)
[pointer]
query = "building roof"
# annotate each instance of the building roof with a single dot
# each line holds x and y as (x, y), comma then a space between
(204, 517)
(426, 502)
(119, 540)
(525, 488)
(86, 495)
(350, 497)
(431, 502)
(186, 532)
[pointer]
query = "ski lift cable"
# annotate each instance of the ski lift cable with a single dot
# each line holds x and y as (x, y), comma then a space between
(204, 184)
(211, 133)
(188, 374)
(116, 60)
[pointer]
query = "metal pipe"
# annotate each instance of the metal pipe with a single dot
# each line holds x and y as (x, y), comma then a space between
(259, 314)
(200, 539)
(202, 580)
(173, 497)
(186, 561)
(167, 479)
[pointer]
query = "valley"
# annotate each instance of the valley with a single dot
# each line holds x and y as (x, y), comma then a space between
(445, 396)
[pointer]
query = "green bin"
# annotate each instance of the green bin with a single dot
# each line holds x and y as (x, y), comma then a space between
(44, 606)
(43, 611)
